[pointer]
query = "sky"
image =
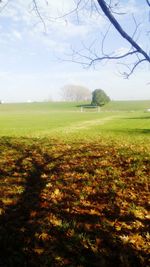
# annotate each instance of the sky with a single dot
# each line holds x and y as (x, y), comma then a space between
(37, 54)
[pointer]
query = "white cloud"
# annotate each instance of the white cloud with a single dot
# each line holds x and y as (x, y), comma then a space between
(129, 7)
(121, 51)
(53, 45)
(4, 74)
(67, 30)
(22, 12)
(58, 8)
(17, 34)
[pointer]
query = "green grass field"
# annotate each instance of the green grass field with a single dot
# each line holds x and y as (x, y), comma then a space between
(74, 186)
(122, 119)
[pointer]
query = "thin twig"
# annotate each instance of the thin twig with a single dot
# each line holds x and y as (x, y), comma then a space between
(3, 7)
(39, 14)
(127, 75)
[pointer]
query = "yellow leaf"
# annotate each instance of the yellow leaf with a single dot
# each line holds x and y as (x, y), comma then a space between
(57, 192)
(39, 251)
(118, 227)
(1, 211)
(55, 221)
(44, 176)
(124, 238)
(49, 185)
(33, 213)
(94, 249)
(7, 201)
(44, 236)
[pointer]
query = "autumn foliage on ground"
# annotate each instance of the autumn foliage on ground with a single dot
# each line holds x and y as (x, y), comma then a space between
(73, 204)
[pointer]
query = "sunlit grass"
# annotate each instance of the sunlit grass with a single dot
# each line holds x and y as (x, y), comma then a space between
(65, 122)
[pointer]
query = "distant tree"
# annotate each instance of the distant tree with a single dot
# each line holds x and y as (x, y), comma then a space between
(75, 93)
(99, 97)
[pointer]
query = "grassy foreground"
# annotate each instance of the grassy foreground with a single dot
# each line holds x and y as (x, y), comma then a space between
(74, 192)
(124, 120)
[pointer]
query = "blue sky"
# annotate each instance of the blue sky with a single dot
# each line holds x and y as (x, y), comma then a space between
(35, 63)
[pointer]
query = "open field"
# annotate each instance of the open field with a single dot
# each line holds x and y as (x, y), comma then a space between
(65, 121)
(74, 187)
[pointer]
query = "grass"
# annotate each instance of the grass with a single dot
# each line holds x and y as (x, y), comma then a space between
(74, 186)
(66, 122)
(128, 105)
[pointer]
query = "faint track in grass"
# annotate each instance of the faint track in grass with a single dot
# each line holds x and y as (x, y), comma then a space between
(87, 124)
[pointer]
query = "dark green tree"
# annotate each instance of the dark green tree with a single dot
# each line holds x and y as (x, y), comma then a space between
(99, 97)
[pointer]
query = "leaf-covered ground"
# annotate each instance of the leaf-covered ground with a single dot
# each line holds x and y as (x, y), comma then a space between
(73, 204)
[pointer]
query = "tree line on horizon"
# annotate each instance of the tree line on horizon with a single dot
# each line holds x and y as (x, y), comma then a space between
(78, 93)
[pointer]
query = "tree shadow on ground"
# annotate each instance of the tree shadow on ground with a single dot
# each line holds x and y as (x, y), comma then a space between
(16, 224)
(50, 224)
(132, 131)
(84, 105)
(138, 118)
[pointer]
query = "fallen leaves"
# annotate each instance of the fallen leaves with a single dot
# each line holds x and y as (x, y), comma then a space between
(39, 251)
(79, 204)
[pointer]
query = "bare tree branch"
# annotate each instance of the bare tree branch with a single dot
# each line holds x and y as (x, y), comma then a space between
(118, 27)
(39, 14)
(107, 57)
(3, 7)
(131, 70)
(148, 2)
(103, 41)
(73, 11)
(91, 56)
(136, 26)
(89, 61)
